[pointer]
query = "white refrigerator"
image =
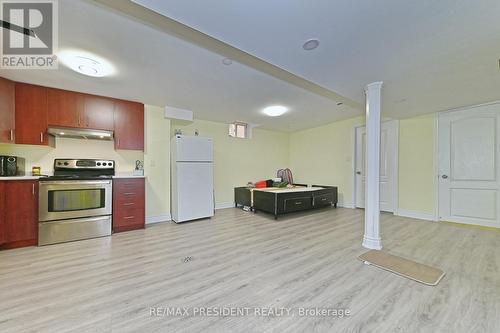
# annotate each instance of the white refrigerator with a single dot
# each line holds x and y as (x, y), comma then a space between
(192, 178)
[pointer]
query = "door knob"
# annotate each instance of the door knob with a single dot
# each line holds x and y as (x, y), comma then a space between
(444, 176)
(358, 172)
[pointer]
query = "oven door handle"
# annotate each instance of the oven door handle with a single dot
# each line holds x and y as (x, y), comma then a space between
(77, 220)
(78, 182)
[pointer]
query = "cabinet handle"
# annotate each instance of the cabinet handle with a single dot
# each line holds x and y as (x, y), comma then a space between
(11, 134)
(33, 189)
(79, 121)
(128, 204)
(41, 136)
(129, 193)
(128, 217)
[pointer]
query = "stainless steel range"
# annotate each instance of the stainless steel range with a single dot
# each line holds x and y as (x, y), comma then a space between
(76, 202)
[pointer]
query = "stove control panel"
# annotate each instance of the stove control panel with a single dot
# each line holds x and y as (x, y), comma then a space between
(83, 164)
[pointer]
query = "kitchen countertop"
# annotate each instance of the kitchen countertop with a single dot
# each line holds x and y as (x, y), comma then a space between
(127, 175)
(119, 175)
(21, 178)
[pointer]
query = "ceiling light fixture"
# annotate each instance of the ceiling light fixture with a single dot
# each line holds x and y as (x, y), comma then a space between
(227, 61)
(275, 110)
(86, 63)
(311, 44)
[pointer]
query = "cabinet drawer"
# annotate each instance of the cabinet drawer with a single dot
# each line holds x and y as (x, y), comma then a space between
(136, 203)
(295, 204)
(128, 185)
(128, 216)
(323, 199)
(128, 197)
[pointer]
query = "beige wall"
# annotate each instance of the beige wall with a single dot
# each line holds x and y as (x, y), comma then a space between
(238, 161)
(324, 155)
(321, 155)
(157, 164)
(69, 148)
(416, 164)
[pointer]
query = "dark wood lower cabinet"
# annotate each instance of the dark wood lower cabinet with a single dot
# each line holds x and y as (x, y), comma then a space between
(2, 213)
(19, 215)
(128, 204)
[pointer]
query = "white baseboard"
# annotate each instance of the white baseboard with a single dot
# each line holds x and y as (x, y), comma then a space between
(415, 214)
(224, 205)
(158, 219)
(346, 205)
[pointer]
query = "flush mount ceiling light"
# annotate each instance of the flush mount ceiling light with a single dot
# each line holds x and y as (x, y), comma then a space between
(275, 110)
(311, 44)
(86, 63)
(227, 61)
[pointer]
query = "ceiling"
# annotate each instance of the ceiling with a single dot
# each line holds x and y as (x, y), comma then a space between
(431, 55)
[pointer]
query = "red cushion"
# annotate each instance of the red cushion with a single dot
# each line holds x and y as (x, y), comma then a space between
(261, 184)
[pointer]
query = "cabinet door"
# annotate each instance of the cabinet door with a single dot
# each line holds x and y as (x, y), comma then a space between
(7, 118)
(65, 108)
(98, 112)
(2, 212)
(129, 125)
(21, 213)
(31, 115)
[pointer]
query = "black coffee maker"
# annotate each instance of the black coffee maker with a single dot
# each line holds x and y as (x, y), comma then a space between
(12, 166)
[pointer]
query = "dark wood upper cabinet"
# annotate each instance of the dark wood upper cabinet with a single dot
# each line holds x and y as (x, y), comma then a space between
(65, 108)
(129, 125)
(31, 115)
(7, 111)
(2, 213)
(26, 112)
(21, 213)
(98, 112)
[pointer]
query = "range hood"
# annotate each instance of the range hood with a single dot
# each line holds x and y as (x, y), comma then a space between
(80, 133)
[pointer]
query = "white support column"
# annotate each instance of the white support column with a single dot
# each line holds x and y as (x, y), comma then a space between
(372, 239)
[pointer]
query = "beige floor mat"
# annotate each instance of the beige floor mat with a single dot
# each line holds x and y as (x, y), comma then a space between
(407, 268)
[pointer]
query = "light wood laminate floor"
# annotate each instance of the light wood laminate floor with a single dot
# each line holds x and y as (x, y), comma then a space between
(244, 260)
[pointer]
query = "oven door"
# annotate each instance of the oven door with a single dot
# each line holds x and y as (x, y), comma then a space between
(70, 199)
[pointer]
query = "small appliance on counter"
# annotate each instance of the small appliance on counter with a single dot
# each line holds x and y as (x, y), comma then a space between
(75, 203)
(11, 166)
(139, 168)
(36, 171)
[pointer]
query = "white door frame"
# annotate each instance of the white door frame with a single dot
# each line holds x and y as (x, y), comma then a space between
(395, 190)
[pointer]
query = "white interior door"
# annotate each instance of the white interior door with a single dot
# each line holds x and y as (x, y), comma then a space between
(388, 165)
(468, 166)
